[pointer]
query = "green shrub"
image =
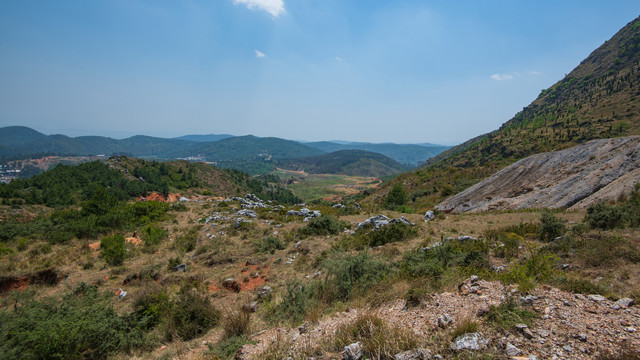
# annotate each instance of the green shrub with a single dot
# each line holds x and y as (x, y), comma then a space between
(269, 244)
(153, 306)
(396, 197)
(509, 247)
(404, 209)
(153, 236)
(323, 225)
(192, 315)
(113, 249)
(227, 348)
(187, 242)
(508, 314)
(82, 325)
(605, 216)
(352, 275)
(368, 237)
(435, 261)
(551, 226)
(296, 302)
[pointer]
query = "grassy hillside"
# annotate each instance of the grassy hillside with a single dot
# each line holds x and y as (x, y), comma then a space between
(346, 162)
(409, 154)
(600, 98)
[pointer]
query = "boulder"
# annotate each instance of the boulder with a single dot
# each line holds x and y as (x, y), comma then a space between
(511, 350)
(353, 352)
(414, 354)
(470, 341)
(231, 285)
(249, 213)
(624, 303)
(181, 268)
(444, 320)
(430, 215)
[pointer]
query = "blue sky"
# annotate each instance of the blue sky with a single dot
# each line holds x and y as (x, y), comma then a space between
(380, 71)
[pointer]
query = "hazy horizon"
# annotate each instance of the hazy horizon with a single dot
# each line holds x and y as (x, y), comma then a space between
(385, 71)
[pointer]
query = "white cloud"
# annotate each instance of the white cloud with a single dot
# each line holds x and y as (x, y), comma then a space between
(273, 7)
(533, 72)
(501, 77)
(260, 54)
(338, 58)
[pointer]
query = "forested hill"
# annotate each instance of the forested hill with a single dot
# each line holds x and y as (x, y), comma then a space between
(125, 178)
(600, 98)
(346, 162)
(410, 154)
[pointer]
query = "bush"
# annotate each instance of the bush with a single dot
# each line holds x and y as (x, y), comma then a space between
(237, 323)
(192, 315)
(153, 236)
(153, 306)
(269, 244)
(113, 249)
(435, 261)
(369, 237)
(351, 275)
(551, 227)
(82, 325)
(324, 225)
(508, 314)
(228, 348)
(396, 197)
(295, 303)
(605, 216)
(187, 242)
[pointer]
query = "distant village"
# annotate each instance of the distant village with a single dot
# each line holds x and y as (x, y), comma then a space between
(8, 173)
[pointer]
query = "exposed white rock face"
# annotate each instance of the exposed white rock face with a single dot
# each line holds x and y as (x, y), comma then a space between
(573, 178)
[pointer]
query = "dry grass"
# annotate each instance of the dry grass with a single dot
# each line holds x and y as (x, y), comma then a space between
(379, 339)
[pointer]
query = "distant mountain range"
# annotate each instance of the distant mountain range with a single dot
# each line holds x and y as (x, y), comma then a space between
(248, 153)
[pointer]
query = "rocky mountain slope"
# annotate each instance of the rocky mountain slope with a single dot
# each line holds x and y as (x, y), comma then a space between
(572, 178)
(599, 99)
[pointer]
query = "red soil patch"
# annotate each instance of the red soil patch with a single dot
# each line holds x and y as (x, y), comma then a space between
(247, 280)
(95, 246)
(134, 240)
(46, 277)
(173, 197)
(254, 282)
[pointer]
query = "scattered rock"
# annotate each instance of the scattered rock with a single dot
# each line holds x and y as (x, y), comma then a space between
(353, 352)
(250, 307)
(528, 300)
(470, 341)
(181, 268)
(415, 354)
(249, 213)
(337, 206)
(624, 303)
(444, 321)
(429, 215)
(264, 292)
(231, 285)
(511, 350)
(597, 298)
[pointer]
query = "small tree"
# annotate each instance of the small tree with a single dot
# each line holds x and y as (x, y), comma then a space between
(113, 249)
(396, 196)
(551, 226)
